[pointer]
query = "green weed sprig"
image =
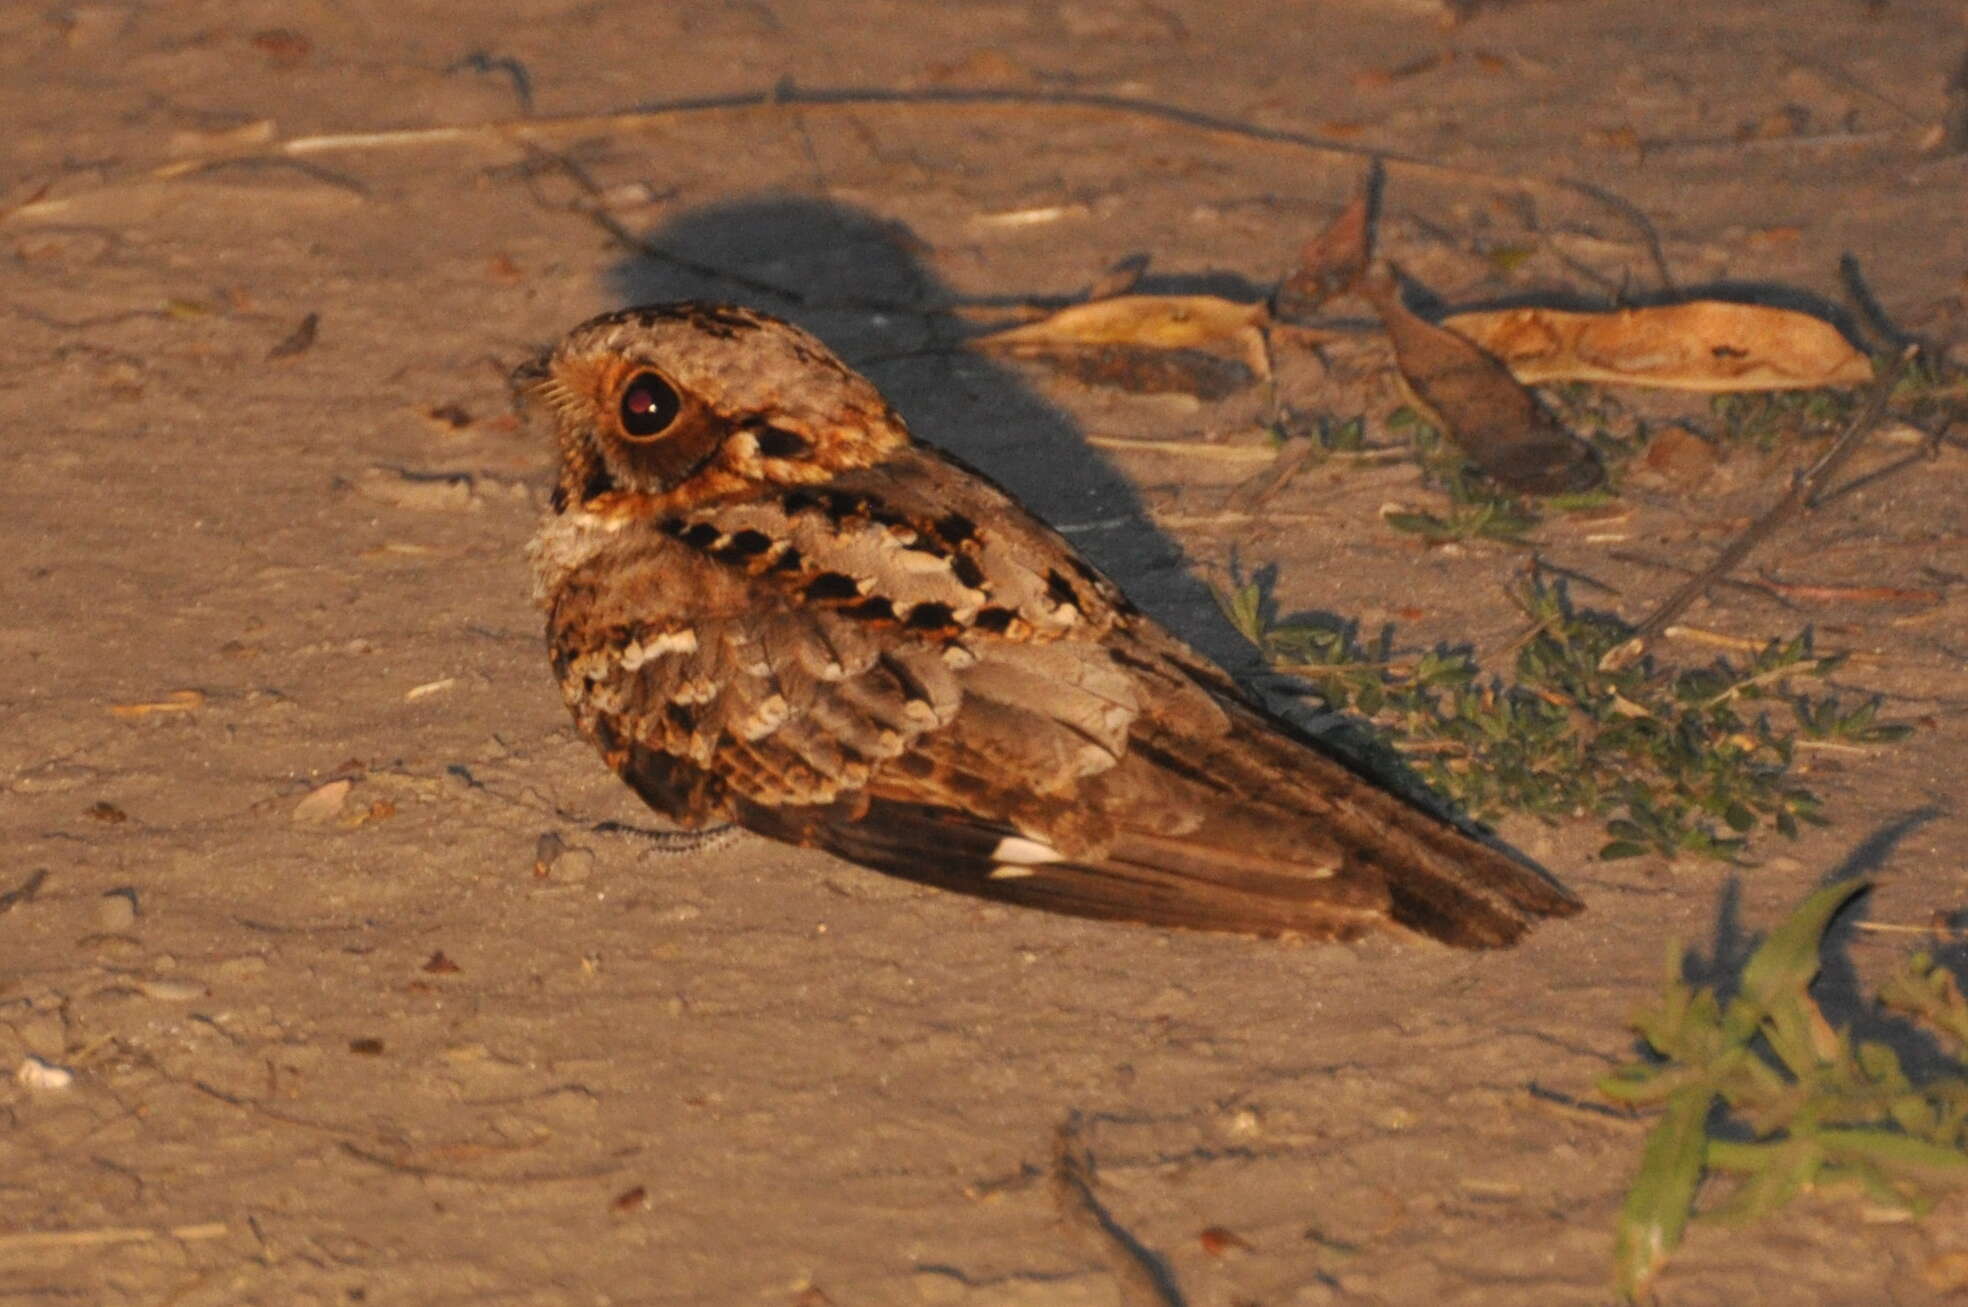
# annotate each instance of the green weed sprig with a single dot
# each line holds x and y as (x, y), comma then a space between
(1675, 761)
(1762, 1088)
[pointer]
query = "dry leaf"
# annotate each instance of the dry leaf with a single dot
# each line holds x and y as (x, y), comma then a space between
(1479, 406)
(1198, 344)
(1217, 1241)
(323, 803)
(1157, 321)
(1708, 345)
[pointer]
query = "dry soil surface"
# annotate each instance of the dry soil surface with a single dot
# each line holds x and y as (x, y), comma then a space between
(365, 1043)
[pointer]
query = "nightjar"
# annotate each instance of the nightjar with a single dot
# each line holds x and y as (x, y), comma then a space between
(769, 604)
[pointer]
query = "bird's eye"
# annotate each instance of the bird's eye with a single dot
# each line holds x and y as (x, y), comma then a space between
(649, 405)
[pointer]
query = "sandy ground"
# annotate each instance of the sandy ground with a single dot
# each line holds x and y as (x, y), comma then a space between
(374, 1056)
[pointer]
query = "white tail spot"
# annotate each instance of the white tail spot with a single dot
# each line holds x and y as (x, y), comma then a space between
(1021, 852)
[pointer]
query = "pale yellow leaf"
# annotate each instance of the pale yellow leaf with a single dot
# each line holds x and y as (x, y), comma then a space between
(1705, 345)
(1156, 321)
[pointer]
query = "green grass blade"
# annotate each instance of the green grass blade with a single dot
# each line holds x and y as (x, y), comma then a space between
(1663, 1194)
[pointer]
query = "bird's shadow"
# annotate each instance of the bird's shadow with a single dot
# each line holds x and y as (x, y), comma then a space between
(852, 278)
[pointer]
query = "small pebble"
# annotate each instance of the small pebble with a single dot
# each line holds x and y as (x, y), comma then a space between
(323, 803)
(173, 991)
(36, 1074)
(249, 967)
(574, 865)
(438, 492)
(1244, 1123)
(116, 911)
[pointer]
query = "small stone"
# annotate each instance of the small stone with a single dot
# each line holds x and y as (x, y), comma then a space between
(116, 911)
(1244, 1123)
(323, 804)
(574, 865)
(43, 1076)
(934, 1288)
(173, 991)
(438, 492)
(249, 967)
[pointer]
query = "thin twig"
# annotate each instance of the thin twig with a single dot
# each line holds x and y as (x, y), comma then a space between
(1831, 72)
(591, 1172)
(25, 891)
(650, 116)
(1633, 216)
(1539, 563)
(628, 240)
(314, 171)
(1142, 1279)
(1746, 645)
(1895, 928)
(1733, 582)
(31, 1239)
(1803, 494)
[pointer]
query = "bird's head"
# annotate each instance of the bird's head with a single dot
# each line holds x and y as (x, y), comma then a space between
(693, 403)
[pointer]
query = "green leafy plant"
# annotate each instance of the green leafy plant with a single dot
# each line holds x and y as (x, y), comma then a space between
(1470, 517)
(1828, 719)
(1675, 761)
(1761, 1089)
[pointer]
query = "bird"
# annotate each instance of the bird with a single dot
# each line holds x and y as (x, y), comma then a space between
(769, 604)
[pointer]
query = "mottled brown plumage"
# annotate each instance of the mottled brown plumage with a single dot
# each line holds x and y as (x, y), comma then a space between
(769, 604)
